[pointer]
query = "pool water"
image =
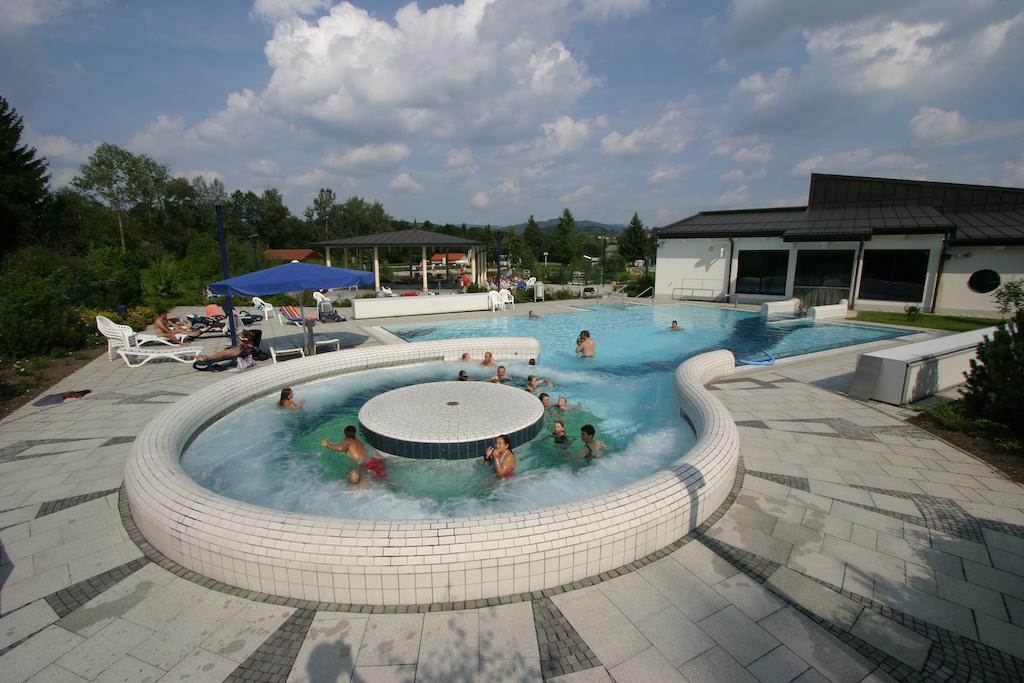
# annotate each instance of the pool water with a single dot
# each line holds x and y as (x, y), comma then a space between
(271, 457)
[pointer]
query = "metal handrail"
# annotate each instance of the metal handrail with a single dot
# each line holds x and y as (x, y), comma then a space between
(644, 292)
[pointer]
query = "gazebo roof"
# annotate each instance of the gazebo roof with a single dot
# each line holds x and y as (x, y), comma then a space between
(402, 238)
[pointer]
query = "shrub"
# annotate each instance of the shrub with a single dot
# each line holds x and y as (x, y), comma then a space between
(912, 313)
(137, 318)
(995, 383)
(951, 416)
(1010, 297)
(165, 283)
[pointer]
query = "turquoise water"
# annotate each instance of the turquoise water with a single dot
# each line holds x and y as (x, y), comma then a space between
(266, 456)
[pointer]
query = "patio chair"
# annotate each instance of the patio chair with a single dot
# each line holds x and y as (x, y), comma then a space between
(320, 297)
(122, 336)
(494, 301)
(263, 307)
(386, 291)
(140, 356)
(289, 315)
(507, 298)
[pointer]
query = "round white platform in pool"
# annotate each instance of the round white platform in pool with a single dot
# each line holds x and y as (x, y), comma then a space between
(449, 420)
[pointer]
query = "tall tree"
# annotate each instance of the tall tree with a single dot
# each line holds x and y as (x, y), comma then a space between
(633, 242)
(564, 248)
(533, 238)
(23, 180)
(121, 181)
(323, 210)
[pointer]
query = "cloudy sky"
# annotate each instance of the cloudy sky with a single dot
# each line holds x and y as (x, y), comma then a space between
(487, 111)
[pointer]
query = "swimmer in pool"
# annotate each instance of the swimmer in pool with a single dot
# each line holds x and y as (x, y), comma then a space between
(545, 401)
(501, 457)
(488, 360)
(463, 376)
(465, 357)
(534, 383)
(584, 345)
(558, 434)
(500, 376)
(286, 400)
(531, 314)
(355, 480)
(354, 449)
(563, 404)
(675, 326)
(592, 448)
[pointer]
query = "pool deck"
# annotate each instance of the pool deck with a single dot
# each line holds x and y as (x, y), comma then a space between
(854, 547)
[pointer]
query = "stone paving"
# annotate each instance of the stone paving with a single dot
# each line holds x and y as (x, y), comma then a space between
(854, 547)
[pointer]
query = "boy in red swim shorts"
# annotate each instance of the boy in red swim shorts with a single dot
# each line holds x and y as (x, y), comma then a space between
(352, 447)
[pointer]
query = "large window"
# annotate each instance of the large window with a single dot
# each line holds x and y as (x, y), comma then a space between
(897, 275)
(824, 268)
(762, 272)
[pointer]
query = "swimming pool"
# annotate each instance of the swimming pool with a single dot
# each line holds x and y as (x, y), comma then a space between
(625, 391)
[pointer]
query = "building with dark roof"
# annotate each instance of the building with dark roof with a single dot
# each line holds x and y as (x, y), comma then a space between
(879, 243)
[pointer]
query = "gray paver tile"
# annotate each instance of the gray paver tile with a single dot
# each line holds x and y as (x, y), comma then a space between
(634, 597)
(116, 601)
(866, 560)
(56, 674)
(917, 603)
(450, 646)
(738, 635)
(749, 596)
(98, 653)
(390, 639)
(969, 550)
(186, 631)
(384, 674)
(813, 676)
(37, 653)
(675, 636)
(810, 500)
(18, 593)
(978, 598)
(925, 556)
(752, 540)
(598, 674)
(647, 666)
(511, 670)
(684, 590)
(1001, 541)
(508, 632)
(863, 536)
(816, 646)
(1007, 561)
(819, 599)
(608, 633)
(821, 567)
(1001, 635)
(802, 537)
(867, 518)
(703, 562)
(895, 639)
(20, 515)
(840, 492)
(200, 665)
(128, 669)
(715, 666)
(990, 577)
(32, 545)
(25, 621)
(778, 666)
(829, 524)
(329, 650)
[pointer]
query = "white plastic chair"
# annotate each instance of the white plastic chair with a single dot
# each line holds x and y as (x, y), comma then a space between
(124, 337)
(386, 291)
(182, 354)
(319, 296)
(531, 282)
(494, 301)
(263, 307)
(507, 298)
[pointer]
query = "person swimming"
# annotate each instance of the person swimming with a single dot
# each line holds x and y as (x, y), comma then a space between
(545, 400)
(592, 448)
(488, 360)
(584, 344)
(286, 400)
(534, 383)
(558, 434)
(463, 376)
(675, 326)
(499, 377)
(501, 457)
(354, 449)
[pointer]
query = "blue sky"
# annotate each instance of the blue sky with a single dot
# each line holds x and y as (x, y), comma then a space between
(486, 111)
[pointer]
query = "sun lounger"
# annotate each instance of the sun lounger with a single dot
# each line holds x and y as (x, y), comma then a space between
(140, 356)
(290, 315)
(276, 352)
(122, 336)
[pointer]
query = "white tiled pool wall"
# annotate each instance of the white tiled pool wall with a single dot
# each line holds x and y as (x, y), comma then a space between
(420, 561)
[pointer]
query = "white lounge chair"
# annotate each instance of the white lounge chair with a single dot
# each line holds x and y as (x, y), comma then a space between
(507, 298)
(182, 354)
(494, 301)
(263, 307)
(122, 336)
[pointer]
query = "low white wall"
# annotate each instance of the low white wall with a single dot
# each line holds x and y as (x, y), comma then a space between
(388, 307)
(780, 307)
(692, 268)
(956, 296)
(353, 561)
(838, 310)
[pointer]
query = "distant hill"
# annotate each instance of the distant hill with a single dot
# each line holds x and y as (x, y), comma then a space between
(592, 227)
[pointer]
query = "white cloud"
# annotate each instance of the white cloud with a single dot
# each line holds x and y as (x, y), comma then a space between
(734, 176)
(1013, 173)
(861, 160)
(758, 155)
(722, 66)
(367, 159)
(403, 182)
(605, 9)
(459, 157)
(934, 127)
(506, 190)
(480, 200)
(563, 137)
(263, 167)
(765, 90)
(577, 195)
(275, 10)
(22, 14)
(663, 174)
(738, 196)
(668, 135)
(601, 121)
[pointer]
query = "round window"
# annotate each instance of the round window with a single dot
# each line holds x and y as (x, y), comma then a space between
(983, 281)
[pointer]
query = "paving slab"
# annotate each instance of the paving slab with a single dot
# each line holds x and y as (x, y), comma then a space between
(24, 622)
(703, 563)
(820, 649)
(715, 666)
(990, 577)
(450, 647)
(684, 590)
(246, 630)
(1001, 635)
(634, 597)
(980, 599)
(675, 636)
(740, 636)
(200, 665)
(611, 636)
(23, 591)
(328, 652)
(645, 667)
(507, 632)
(922, 605)
(94, 656)
(390, 639)
(117, 601)
(37, 653)
(749, 596)
(598, 674)
(128, 669)
(897, 640)
(811, 595)
(778, 666)
(405, 673)
(511, 670)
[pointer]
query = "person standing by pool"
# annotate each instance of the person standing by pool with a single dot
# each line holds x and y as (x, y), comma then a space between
(584, 345)
(488, 360)
(286, 400)
(592, 448)
(499, 377)
(353, 448)
(501, 457)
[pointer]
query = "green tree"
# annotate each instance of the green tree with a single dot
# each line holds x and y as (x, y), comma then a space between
(1010, 297)
(121, 181)
(23, 180)
(322, 210)
(533, 238)
(995, 383)
(633, 242)
(564, 245)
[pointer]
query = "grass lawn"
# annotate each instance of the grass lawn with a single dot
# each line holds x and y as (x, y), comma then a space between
(953, 323)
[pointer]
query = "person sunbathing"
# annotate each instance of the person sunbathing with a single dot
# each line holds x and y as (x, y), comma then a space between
(169, 330)
(243, 350)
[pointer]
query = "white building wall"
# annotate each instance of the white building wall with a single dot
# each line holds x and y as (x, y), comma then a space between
(692, 268)
(933, 243)
(956, 298)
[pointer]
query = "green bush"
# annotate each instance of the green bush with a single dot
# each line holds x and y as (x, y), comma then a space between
(911, 313)
(109, 279)
(995, 383)
(642, 285)
(137, 318)
(952, 416)
(36, 309)
(1010, 297)
(165, 283)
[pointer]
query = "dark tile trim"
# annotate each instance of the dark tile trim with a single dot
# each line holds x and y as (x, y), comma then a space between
(51, 506)
(801, 483)
(273, 660)
(562, 649)
(454, 450)
(67, 600)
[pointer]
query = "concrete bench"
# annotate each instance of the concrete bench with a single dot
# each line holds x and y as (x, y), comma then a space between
(786, 307)
(914, 371)
(838, 310)
(418, 305)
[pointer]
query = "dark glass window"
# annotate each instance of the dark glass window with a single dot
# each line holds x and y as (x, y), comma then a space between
(984, 281)
(762, 272)
(896, 275)
(824, 268)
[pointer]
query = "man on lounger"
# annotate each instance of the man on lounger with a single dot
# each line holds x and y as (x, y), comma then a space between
(353, 448)
(243, 350)
(168, 330)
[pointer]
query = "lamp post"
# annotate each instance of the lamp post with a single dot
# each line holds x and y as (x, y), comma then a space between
(604, 252)
(546, 265)
(255, 260)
